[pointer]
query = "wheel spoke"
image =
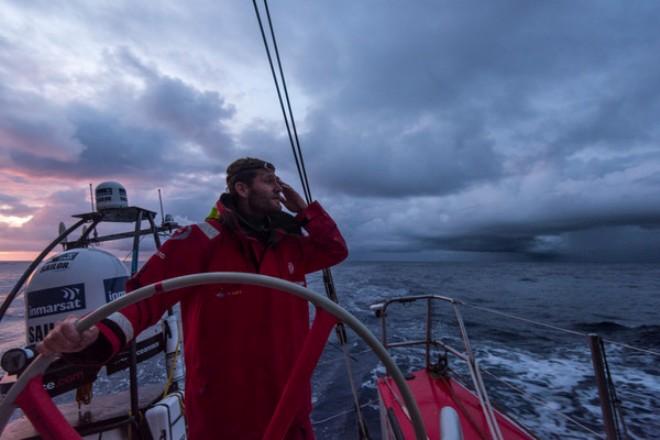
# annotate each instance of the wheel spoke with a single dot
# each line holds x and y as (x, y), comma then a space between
(292, 397)
(328, 314)
(42, 412)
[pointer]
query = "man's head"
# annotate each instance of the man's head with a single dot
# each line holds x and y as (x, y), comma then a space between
(254, 186)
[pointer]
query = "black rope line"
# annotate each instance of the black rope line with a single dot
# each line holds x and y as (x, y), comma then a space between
(301, 174)
(295, 145)
(288, 102)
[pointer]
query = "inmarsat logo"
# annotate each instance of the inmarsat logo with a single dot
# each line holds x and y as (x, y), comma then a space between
(56, 300)
(70, 294)
(114, 288)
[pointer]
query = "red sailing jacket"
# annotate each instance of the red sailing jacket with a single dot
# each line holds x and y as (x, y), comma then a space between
(240, 341)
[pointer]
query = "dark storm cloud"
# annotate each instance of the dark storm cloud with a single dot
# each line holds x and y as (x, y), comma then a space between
(33, 125)
(143, 135)
(557, 101)
(395, 159)
(194, 115)
(457, 74)
(10, 205)
(625, 115)
(110, 148)
(483, 243)
(562, 229)
(423, 55)
(608, 243)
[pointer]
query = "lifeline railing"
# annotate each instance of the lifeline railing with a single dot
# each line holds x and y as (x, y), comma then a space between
(466, 355)
(92, 219)
(613, 422)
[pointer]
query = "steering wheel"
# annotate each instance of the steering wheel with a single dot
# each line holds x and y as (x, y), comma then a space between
(29, 394)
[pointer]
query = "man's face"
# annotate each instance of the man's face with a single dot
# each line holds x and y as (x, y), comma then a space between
(264, 193)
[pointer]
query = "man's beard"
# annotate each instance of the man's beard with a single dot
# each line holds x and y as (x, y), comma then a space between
(261, 204)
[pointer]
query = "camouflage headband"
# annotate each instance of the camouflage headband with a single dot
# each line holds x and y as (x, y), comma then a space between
(244, 165)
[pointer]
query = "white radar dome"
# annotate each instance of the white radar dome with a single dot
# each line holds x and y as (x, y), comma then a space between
(110, 195)
(75, 282)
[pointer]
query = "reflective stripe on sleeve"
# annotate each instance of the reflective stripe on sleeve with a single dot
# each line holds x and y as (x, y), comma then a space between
(124, 325)
(209, 230)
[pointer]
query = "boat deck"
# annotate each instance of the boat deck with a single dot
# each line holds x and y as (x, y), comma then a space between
(106, 408)
(433, 394)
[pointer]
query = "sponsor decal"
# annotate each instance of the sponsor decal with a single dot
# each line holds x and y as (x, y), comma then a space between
(144, 350)
(37, 333)
(69, 256)
(62, 265)
(62, 377)
(61, 382)
(55, 300)
(223, 295)
(59, 262)
(114, 288)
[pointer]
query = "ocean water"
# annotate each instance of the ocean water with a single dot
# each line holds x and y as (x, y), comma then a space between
(540, 376)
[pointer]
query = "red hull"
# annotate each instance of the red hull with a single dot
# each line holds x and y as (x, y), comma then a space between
(433, 394)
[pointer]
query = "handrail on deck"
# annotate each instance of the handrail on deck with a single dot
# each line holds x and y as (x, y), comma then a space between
(613, 421)
(467, 355)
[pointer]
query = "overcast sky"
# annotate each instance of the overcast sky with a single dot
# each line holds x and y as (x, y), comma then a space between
(431, 129)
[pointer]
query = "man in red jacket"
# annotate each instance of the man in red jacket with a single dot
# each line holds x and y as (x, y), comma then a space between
(240, 341)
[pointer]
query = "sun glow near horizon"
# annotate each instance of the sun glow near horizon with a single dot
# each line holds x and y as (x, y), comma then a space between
(6, 256)
(14, 221)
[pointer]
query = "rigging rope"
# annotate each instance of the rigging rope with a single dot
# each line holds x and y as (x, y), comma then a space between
(342, 413)
(295, 146)
(615, 403)
(302, 173)
(572, 332)
(288, 103)
(631, 347)
(518, 318)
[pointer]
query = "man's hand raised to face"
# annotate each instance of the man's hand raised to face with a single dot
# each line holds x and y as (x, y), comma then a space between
(290, 198)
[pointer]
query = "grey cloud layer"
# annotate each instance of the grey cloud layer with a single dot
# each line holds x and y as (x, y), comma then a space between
(140, 133)
(508, 127)
(558, 102)
(10, 205)
(555, 78)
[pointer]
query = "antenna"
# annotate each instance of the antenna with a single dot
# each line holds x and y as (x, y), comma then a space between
(91, 201)
(162, 213)
(62, 230)
(91, 196)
